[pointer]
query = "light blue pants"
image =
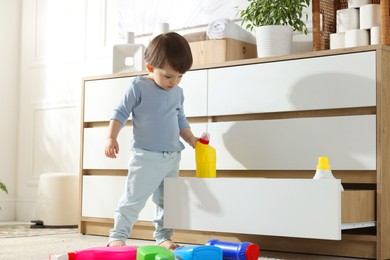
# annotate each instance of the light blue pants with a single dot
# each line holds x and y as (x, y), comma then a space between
(145, 178)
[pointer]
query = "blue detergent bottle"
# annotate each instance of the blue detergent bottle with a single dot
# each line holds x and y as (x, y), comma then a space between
(236, 251)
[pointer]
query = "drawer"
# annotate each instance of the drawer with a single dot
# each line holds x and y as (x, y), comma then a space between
(295, 144)
(338, 81)
(94, 144)
(302, 208)
(194, 85)
(95, 141)
(98, 204)
(102, 96)
(358, 206)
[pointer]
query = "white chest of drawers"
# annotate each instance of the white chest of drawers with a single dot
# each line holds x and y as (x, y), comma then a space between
(268, 118)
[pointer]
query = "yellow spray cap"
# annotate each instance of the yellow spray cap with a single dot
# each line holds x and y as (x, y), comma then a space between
(323, 163)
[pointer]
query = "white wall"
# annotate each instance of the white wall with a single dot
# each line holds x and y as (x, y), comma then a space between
(62, 41)
(47, 47)
(9, 72)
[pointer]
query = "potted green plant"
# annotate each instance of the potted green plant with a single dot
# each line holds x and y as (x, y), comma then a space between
(3, 187)
(274, 22)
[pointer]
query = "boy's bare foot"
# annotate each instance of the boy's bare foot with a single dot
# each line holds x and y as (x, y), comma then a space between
(117, 243)
(169, 244)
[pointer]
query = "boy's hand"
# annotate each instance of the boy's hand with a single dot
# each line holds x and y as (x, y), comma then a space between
(192, 141)
(189, 137)
(112, 148)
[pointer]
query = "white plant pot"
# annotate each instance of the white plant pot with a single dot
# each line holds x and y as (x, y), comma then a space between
(273, 40)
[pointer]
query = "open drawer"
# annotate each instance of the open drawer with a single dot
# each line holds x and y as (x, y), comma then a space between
(303, 208)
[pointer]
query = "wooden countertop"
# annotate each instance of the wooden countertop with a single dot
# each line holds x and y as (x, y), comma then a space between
(294, 56)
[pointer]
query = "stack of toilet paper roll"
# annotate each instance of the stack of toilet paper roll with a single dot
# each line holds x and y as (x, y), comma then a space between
(358, 25)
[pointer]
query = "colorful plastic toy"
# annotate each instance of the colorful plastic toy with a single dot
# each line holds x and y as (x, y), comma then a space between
(154, 253)
(236, 251)
(100, 253)
(198, 253)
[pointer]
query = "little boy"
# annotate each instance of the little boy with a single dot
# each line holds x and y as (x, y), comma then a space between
(155, 102)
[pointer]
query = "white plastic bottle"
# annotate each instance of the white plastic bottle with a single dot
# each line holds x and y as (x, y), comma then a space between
(323, 170)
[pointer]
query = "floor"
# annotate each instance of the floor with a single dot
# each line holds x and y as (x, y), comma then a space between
(23, 243)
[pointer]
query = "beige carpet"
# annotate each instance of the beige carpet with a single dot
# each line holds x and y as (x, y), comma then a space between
(18, 242)
(24, 230)
(40, 247)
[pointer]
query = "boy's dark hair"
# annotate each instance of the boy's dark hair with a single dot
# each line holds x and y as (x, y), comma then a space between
(169, 49)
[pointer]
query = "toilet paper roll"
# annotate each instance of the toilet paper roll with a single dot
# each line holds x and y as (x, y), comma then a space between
(357, 37)
(337, 40)
(370, 16)
(160, 28)
(375, 35)
(357, 3)
(347, 19)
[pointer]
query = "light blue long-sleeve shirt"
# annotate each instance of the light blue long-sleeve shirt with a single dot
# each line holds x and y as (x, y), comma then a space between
(157, 115)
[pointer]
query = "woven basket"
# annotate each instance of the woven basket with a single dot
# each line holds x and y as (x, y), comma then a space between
(327, 9)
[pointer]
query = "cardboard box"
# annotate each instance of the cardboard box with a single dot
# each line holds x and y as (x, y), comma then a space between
(213, 51)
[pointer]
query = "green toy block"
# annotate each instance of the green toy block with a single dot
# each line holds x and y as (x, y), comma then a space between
(154, 253)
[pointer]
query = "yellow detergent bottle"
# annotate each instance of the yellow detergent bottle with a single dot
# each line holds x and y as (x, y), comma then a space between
(205, 158)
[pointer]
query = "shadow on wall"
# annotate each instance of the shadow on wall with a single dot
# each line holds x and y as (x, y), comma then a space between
(296, 143)
(311, 91)
(204, 201)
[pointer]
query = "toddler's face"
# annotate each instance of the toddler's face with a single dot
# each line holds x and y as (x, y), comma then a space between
(166, 78)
